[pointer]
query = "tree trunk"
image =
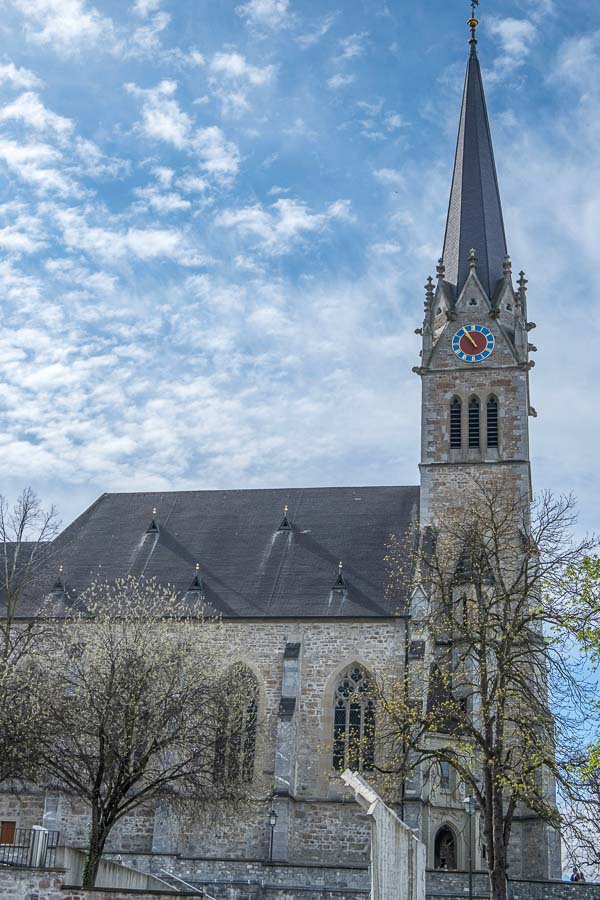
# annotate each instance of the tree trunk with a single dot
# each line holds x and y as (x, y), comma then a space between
(498, 883)
(96, 843)
(499, 866)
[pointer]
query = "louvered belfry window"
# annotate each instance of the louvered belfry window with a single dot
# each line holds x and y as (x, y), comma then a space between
(354, 722)
(492, 422)
(456, 424)
(474, 422)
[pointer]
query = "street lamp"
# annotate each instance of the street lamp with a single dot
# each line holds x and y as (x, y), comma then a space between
(272, 823)
(470, 810)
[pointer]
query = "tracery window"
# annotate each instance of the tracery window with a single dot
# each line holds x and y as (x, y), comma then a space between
(354, 722)
(492, 422)
(445, 849)
(456, 424)
(474, 422)
(235, 739)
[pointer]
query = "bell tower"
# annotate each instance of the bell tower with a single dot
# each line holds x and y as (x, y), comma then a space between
(475, 352)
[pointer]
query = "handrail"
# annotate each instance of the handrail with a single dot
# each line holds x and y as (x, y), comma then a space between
(185, 883)
(149, 875)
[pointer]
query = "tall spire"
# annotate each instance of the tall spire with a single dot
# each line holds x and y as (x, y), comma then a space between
(475, 212)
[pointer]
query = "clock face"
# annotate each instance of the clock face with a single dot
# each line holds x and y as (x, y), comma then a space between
(473, 343)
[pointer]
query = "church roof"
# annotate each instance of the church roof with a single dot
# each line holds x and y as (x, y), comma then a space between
(475, 212)
(248, 564)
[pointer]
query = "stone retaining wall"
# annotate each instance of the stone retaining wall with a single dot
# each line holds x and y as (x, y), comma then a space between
(283, 883)
(31, 884)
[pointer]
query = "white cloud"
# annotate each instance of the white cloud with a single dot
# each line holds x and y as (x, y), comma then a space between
(353, 46)
(233, 103)
(272, 13)
(147, 37)
(341, 209)
(140, 243)
(161, 201)
(65, 25)
(18, 77)
(516, 35)
(394, 121)
(37, 164)
(218, 156)
(339, 81)
(192, 184)
(29, 109)
(387, 248)
(162, 117)
(390, 177)
(143, 8)
(163, 175)
(24, 233)
(94, 163)
(233, 65)
(276, 230)
(195, 58)
(516, 38)
(314, 35)
(577, 63)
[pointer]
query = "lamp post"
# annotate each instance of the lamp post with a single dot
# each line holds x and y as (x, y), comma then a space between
(272, 823)
(470, 809)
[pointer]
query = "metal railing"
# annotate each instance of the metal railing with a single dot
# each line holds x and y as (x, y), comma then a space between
(30, 848)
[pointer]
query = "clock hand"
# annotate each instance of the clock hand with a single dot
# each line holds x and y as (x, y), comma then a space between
(470, 338)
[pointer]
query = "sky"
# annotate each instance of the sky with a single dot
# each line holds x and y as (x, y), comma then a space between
(217, 218)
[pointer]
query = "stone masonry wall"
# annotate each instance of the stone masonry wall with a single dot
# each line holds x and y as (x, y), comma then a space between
(323, 825)
(31, 884)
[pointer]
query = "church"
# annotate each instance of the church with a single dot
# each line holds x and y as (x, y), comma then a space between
(300, 578)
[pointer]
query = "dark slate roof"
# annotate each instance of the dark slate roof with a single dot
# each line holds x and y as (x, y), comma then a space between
(248, 567)
(475, 212)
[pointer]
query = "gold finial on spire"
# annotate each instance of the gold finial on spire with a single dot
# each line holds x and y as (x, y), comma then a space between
(197, 568)
(285, 509)
(340, 567)
(473, 22)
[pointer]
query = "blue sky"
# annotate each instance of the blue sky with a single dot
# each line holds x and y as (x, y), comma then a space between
(217, 219)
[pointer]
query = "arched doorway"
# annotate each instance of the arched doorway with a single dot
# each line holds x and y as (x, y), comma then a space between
(445, 849)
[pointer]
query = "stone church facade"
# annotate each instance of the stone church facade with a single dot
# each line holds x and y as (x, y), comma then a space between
(301, 579)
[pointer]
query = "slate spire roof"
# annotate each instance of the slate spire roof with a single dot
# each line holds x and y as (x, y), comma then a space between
(475, 212)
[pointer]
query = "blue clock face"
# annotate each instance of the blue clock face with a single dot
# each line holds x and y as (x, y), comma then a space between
(473, 343)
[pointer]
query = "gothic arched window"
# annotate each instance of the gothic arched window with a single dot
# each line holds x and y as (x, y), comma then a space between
(235, 739)
(474, 422)
(456, 424)
(492, 422)
(445, 849)
(354, 722)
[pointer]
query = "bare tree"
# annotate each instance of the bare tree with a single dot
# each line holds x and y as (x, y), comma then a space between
(492, 577)
(26, 534)
(140, 708)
